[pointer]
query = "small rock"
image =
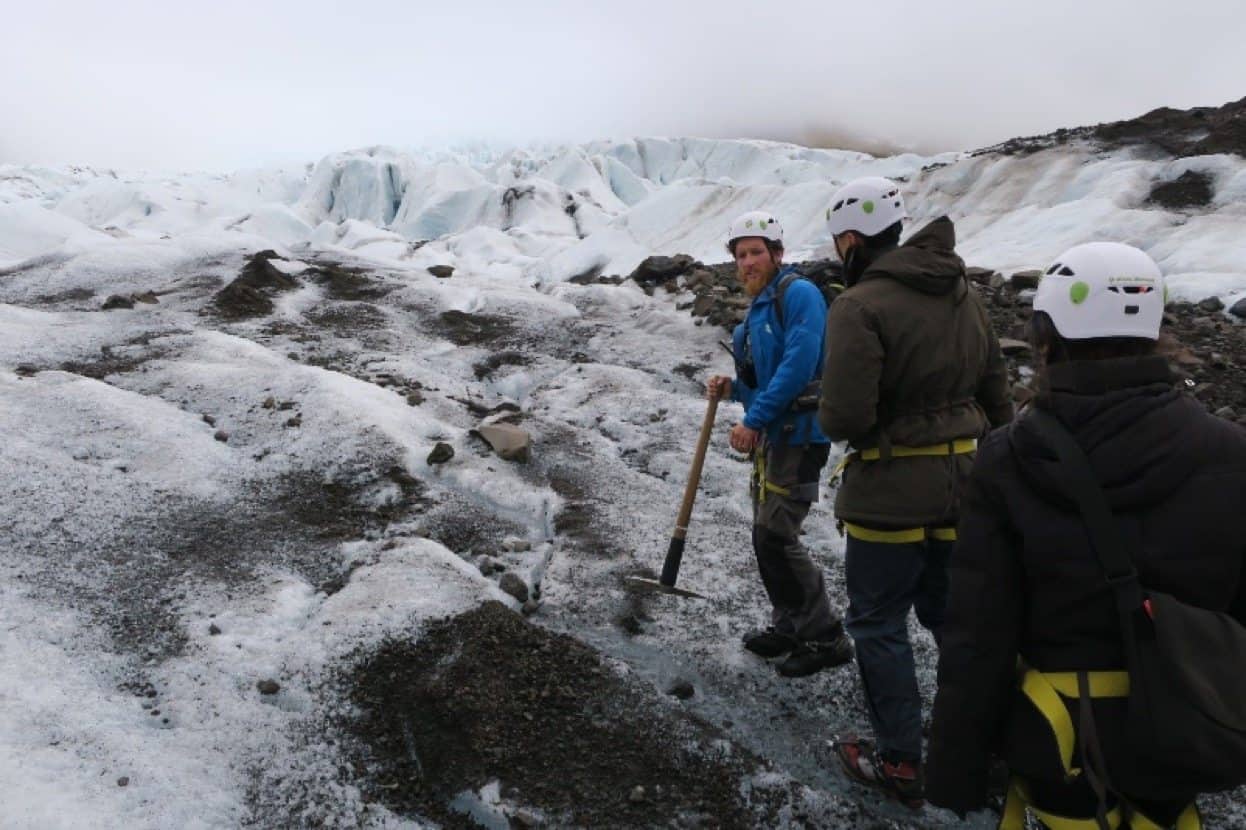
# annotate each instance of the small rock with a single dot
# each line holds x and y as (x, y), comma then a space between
(209, 420)
(489, 566)
(1226, 412)
(531, 607)
(682, 689)
(296, 421)
(516, 545)
(25, 370)
(1023, 280)
(286, 406)
(221, 435)
(441, 272)
(118, 301)
(123, 781)
(148, 297)
(508, 441)
(1211, 305)
(637, 794)
(703, 305)
(982, 276)
(414, 399)
(268, 687)
(1010, 346)
(214, 629)
(526, 819)
(441, 453)
(1239, 309)
(269, 403)
(399, 475)
(996, 281)
(515, 586)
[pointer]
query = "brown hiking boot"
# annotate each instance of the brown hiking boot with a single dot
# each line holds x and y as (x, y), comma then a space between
(901, 780)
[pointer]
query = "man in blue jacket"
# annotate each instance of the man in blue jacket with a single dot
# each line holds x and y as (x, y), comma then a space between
(778, 357)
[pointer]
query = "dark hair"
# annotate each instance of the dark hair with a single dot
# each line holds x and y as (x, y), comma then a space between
(775, 248)
(1045, 337)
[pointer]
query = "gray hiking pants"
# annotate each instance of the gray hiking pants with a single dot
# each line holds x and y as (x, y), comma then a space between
(784, 486)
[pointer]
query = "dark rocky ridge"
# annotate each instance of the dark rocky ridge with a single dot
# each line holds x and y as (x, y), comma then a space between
(1165, 131)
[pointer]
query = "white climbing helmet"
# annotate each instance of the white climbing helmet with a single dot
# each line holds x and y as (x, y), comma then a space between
(868, 206)
(1103, 289)
(755, 223)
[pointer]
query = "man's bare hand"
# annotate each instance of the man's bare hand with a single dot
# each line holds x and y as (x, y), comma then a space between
(718, 386)
(744, 439)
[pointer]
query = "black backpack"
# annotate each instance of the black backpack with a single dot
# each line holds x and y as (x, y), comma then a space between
(1187, 665)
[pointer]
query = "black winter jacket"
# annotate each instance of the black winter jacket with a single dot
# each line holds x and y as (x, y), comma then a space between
(1024, 580)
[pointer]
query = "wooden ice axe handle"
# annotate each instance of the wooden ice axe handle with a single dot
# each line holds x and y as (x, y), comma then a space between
(675, 554)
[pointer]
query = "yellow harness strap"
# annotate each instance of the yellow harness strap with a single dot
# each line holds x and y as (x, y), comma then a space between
(1018, 801)
(764, 485)
(1047, 690)
(900, 537)
(961, 446)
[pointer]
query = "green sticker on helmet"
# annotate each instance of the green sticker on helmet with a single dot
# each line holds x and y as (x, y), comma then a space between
(1078, 292)
(867, 206)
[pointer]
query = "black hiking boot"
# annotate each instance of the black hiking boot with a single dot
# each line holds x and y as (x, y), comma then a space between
(812, 657)
(769, 643)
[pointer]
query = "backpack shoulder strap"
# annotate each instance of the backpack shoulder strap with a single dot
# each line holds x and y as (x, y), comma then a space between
(1080, 481)
(779, 290)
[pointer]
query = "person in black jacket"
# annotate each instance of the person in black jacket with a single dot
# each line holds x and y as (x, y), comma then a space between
(1028, 591)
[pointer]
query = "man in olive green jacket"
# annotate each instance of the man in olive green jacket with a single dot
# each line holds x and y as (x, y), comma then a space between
(913, 376)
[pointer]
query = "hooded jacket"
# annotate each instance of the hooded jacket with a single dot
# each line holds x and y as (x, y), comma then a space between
(911, 360)
(787, 356)
(1025, 581)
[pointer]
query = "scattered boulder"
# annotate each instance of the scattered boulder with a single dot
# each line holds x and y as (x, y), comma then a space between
(1211, 305)
(514, 585)
(221, 435)
(123, 781)
(117, 301)
(26, 370)
(441, 453)
(148, 297)
(1239, 309)
(1023, 280)
(659, 269)
(268, 687)
(441, 272)
(509, 441)
(514, 544)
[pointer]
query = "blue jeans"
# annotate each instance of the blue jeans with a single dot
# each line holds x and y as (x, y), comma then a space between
(884, 582)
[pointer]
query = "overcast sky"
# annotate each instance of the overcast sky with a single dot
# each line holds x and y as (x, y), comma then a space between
(228, 84)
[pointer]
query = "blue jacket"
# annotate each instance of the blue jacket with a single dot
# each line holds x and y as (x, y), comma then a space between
(787, 355)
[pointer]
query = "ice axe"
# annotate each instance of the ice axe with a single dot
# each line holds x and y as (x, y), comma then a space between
(675, 553)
